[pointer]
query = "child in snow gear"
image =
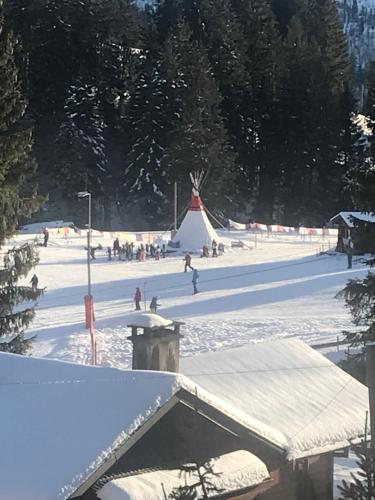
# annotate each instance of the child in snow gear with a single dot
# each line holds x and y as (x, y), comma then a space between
(109, 253)
(154, 305)
(194, 281)
(187, 260)
(34, 282)
(137, 299)
(214, 248)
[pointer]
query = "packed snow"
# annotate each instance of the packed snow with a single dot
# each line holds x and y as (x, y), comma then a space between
(148, 320)
(275, 286)
(236, 470)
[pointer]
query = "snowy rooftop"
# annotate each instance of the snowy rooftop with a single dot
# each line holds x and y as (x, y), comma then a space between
(62, 421)
(236, 470)
(148, 320)
(304, 403)
(349, 216)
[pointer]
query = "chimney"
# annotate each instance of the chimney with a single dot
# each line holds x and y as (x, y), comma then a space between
(156, 343)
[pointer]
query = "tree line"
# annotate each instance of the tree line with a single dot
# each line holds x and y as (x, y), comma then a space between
(125, 102)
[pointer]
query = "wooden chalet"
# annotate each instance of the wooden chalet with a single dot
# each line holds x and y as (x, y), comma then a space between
(353, 224)
(270, 416)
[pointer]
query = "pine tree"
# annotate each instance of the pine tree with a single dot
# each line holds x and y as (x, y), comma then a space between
(198, 139)
(17, 264)
(16, 167)
(362, 485)
(359, 295)
(81, 143)
(17, 198)
(203, 474)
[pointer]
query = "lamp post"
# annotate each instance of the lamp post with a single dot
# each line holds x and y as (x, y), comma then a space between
(89, 303)
(86, 194)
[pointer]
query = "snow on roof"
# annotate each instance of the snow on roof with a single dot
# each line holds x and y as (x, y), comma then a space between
(62, 421)
(309, 404)
(195, 231)
(148, 320)
(349, 216)
(38, 227)
(239, 469)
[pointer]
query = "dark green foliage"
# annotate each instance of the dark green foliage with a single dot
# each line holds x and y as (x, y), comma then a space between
(255, 92)
(202, 474)
(359, 295)
(16, 265)
(362, 484)
(17, 197)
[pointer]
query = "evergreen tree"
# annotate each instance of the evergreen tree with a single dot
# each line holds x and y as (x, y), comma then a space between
(17, 197)
(81, 143)
(198, 139)
(362, 484)
(203, 474)
(359, 296)
(361, 177)
(17, 264)
(16, 167)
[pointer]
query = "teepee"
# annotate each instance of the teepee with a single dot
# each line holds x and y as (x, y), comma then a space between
(195, 230)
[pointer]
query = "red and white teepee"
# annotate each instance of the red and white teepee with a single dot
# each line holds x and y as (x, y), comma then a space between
(195, 230)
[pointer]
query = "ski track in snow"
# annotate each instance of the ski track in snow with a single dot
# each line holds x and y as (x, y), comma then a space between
(281, 288)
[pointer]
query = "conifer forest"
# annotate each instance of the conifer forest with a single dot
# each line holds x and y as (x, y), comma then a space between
(125, 99)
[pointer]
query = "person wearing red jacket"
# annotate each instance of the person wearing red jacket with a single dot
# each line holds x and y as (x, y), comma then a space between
(137, 299)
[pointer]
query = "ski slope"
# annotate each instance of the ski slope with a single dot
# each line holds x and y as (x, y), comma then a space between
(274, 287)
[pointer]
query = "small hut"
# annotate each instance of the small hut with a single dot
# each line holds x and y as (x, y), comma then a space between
(357, 226)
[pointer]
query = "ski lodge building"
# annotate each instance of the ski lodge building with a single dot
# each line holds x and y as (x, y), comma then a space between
(268, 416)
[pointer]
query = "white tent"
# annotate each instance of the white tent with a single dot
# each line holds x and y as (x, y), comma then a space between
(195, 230)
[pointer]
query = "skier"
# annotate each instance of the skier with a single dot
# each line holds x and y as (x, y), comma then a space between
(214, 248)
(154, 305)
(46, 236)
(194, 281)
(137, 299)
(187, 260)
(34, 283)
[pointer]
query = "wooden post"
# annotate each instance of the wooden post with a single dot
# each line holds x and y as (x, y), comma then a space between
(370, 370)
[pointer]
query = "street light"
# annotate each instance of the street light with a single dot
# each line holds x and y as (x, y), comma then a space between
(86, 194)
(89, 302)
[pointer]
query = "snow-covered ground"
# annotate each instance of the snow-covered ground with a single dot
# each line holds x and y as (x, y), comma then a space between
(277, 287)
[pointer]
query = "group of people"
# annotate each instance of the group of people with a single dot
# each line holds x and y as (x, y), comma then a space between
(217, 249)
(127, 251)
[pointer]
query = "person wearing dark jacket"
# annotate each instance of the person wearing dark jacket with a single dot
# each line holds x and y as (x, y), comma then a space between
(46, 236)
(187, 260)
(34, 282)
(154, 305)
(137, 299)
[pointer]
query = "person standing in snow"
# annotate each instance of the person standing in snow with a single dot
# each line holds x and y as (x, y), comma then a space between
(195, 280)
(163, 250)
(116, 247)
(109, 253)
(46, 236)
(154, 305)
(187, 260)
(34, 283)
(349, 248)
(137, 299)
(214, 248)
